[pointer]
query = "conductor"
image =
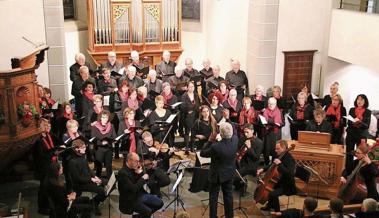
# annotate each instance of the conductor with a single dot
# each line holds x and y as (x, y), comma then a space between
(222, 169)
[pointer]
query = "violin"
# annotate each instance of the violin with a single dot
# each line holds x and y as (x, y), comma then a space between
(243, 150)
(161, 147)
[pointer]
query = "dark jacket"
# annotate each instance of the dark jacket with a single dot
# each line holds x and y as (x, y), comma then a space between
(74, 71)
(361, 129)
(223, 156)
(165, 69)
(287, 170)
(79, 172)
(130, 187)
(325, 126)
(251, 159)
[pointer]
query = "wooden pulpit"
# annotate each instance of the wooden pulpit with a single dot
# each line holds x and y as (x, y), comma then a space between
(19, 107)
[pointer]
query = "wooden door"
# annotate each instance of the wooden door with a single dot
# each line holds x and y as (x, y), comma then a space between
(297, 71)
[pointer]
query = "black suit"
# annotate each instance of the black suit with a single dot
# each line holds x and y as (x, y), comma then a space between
(286, 184)
(222, 170)
(325, 126)
(130, 186)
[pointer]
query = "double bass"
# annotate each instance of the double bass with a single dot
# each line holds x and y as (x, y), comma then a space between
(269, 181)
(354, 190)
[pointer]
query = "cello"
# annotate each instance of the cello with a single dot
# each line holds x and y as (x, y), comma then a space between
(269, 181)
(354, 190)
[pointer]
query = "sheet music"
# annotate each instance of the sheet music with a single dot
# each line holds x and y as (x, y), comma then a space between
(263, 119)
(203, 160)
(176, 104)
(314, 96)
(55, 106)
(177, 182)
(323, 108)
(91, 140)
(171, 118)
(106, 100)
(119, 137)
(349, 117)
(67, 141)
(121, 71)
(289, 117)
(110, 184)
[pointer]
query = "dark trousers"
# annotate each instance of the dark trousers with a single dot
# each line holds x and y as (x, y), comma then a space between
(147, 204)
(227, 191)
(81, 205)
(273, 199)
(269, 142)
(43, 203)
(295, 128)
(92, 187)
(158, 179)
(352, 139)
(103, 156)
(337, 136)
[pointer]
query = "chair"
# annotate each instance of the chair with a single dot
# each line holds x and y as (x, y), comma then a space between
(304, 175)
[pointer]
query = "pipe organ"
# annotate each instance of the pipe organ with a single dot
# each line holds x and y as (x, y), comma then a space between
(147, 26)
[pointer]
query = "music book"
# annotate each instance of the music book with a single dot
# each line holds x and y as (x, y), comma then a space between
(323, 108)
(293, 99)
(258, 105)
(212, 85)
(314, 96)
(143, 71)
(180, 165)
(67, 141)
(289, 117)
(349, 117)
(121, 71)
(180, 85)
(119, 137)
(106, 100)
(55, 106)
(177, 182)
(171, 118)
(153, 94)
(92, 139)
(176, 104)
(263, 119)
(110, 184)
(203, 160)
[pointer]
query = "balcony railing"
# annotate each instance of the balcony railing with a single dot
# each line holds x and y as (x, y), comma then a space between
(368, 6)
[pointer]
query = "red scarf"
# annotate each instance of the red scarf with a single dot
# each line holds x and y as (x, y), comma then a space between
(103, 129)
(132, 137)
(225, 96)
(97, 110)
(300, 112)
(248, 116)
(123, 96)
(49, 145)
(168, 97)
(275, 115)
(51, 101)
(133, 104)
(89, 95)
(335, 111)
(233, 104)
(359, 111)
(69, 116)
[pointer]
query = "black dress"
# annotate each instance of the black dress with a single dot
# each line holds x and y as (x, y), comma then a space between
(233, 113)
(189, 113)
(299, 123)
(217, 113)
(157, 128)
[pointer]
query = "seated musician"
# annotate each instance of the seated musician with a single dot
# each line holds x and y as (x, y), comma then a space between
(368, 171)
(335, 113)
(248, 115)
(129, 126)
(259, 101)
(104, 134)
(166, 67)
(286, 184)
(44, 154)
(133, 197)
(215, 99)
(189, 110)
(234, 105)
(204, 129)
(309, 206)
(300, 114)
(249, 151)
(369, 209)
(61, 196)
(156, 157)
(83, 179)
(271, 130)
(106, 85)
(319, 123)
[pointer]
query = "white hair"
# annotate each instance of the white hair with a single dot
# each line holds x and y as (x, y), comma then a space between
(152, 72)
(143, 90)
(188, 60)
(177, 69)
(132, 69)
(111, 54)
(83, 69)
(226, 130)
(79, 55)
(272, 101)
(216, 67)
(134, 55)
(259, 88)
(166, 52)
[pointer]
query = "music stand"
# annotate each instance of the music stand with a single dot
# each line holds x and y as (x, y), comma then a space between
(109, 188)
(177, 168)
(240, 208)
(319, 178)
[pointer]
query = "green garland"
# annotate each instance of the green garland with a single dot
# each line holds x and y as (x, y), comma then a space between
(21, 112)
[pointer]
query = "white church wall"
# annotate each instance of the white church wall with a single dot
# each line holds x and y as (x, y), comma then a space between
(303, 25)
(353, 80)
(17, 19)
